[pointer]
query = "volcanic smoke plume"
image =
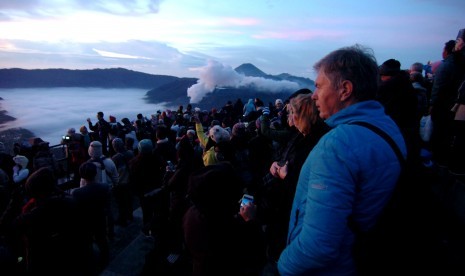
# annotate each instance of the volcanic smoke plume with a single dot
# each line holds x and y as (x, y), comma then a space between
(216, 75)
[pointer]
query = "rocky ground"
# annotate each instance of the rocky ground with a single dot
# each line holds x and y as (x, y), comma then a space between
(12, 135)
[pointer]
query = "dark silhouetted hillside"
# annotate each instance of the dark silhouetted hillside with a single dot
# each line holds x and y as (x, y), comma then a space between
(105, 78)
(160, 88)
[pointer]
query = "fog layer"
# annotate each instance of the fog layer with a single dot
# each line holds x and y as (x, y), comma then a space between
(49, 112)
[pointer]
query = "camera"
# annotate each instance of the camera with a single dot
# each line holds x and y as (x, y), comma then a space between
(246, 199)
(66, 138)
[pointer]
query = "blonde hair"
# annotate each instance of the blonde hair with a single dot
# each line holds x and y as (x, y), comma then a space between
(306, 113)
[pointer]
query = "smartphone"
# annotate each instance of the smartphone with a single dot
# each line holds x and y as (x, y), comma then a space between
(246, 199)
(171, 165)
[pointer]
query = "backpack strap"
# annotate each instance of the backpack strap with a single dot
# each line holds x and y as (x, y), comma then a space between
(386, 137)
(395, 148)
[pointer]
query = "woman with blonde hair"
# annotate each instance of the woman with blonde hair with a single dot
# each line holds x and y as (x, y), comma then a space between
(308, 128)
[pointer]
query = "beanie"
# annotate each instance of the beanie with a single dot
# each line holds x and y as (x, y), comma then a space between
(83, 130)
(219, 134)
(71, 131)
(145, 146)
(21, 160)
(239, 130)
(95, 149)
(112, 119)
(88, 170)
(390, 67)
(215, 123)
(118, 145)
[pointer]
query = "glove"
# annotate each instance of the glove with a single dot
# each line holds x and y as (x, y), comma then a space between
(266, 111)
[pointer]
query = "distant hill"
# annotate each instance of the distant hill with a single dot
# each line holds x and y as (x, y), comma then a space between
(104, 78)
(160, 88)
(250, 70)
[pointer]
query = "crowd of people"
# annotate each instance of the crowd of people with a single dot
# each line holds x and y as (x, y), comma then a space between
(321, 167)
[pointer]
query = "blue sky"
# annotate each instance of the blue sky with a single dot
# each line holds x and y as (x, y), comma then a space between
(180, 37)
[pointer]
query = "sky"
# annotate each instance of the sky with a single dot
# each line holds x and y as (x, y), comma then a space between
(184, 37)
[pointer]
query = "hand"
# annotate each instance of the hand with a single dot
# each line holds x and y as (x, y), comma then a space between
(248, 212)
(15, 169)
(282, 171)
(88, 120)
(274, 169)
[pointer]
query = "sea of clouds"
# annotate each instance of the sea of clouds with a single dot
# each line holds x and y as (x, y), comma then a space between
(49, 112)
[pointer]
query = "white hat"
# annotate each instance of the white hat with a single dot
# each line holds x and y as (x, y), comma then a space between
(219, 134)
(21, 160)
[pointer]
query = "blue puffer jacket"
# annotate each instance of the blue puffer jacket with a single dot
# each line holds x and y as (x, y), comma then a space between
(349, 156)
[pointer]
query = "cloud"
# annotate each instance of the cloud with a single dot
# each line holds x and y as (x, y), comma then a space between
(217, 75)
(143, 56)
(117, 55)
(242, 21)
(121, 7)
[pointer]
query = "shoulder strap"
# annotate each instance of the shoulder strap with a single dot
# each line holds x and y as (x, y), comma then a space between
(386, 137)
(352, 225)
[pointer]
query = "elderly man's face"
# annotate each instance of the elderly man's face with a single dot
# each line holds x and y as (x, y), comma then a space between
(325, 96)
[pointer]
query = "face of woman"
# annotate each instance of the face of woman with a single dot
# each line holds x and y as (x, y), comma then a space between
(296, 122)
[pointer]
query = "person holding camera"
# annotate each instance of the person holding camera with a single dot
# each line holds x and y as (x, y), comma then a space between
(221, 236)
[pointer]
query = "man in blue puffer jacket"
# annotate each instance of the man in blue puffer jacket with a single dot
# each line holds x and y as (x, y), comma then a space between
(351, 172)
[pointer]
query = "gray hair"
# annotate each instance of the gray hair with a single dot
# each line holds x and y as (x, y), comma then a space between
(356, 64)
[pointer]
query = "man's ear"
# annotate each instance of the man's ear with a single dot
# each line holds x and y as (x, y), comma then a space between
(346, 90)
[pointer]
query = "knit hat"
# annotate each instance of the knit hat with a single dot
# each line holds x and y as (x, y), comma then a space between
(88, 170)
(215, 123)
(190, 131)
(145, 146)
(118, 145)
(83, 130)
(461, 34)
(21, 160)
(239, 130)
(219, 134)
(390, 67)
(95, 149)
(112, 119)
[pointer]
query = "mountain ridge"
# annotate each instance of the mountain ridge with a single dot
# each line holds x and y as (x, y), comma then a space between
(160, 88)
